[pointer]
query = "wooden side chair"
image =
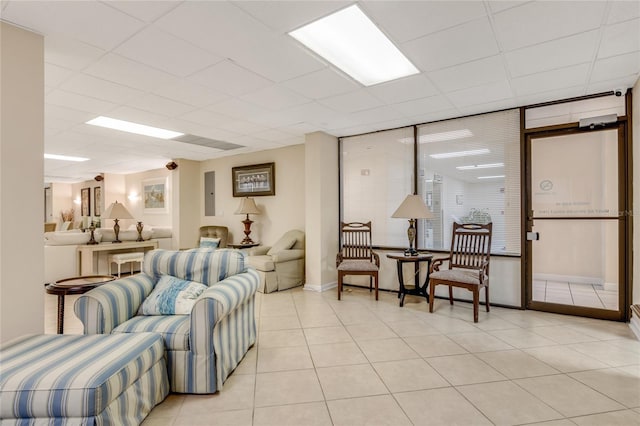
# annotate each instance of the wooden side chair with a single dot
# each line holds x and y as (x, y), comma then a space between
(468, 264)
(357, 256)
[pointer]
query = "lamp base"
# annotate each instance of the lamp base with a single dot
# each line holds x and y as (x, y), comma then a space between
(116, 230)
(411, 252)
(247, 230)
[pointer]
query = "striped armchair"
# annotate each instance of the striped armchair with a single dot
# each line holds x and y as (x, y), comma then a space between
(203, 348)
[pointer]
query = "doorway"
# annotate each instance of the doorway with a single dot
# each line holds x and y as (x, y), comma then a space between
(576, 230)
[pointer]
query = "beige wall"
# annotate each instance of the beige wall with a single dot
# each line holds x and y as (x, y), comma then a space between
(21, 199)
(61, 200)
(280, 213)
(132, 198)
(636, 192)
(188, 202)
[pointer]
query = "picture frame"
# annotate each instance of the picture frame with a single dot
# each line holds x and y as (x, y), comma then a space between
(85, 202)
(155, 195)
(256, 180)
(97, 201)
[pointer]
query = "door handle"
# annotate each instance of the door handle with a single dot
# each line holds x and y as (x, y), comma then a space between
(533, 236)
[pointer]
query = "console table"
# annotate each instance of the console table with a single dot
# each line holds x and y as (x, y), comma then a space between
(87, 253)
(416, 289)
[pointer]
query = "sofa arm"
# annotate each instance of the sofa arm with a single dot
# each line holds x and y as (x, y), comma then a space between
(104, 308)
(259, 250)
(216, 303)
(287, 255)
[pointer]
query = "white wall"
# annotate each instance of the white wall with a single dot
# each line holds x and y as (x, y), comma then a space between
(133, 199)
(636, 192)
(280, 213)
(21, 179)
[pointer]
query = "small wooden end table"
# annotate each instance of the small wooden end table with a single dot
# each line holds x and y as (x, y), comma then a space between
(416, 289)
(243, 246)
(75, 285)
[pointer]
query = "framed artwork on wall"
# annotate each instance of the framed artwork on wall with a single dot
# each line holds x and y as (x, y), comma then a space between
(97, 201)
(254, 181)
(154, 195)
(85, 202)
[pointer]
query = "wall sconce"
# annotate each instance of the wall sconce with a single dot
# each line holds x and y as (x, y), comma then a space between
(77, 201)
(133, 196)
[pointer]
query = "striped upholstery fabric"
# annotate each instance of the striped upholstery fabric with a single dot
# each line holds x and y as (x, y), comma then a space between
(202, 348)
(56, 379)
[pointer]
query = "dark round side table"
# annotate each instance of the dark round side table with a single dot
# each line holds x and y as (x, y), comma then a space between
(75, 285)
(416, 289)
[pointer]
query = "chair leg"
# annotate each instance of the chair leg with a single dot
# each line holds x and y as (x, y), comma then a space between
(339, 285)
(376, 279)
(370, 282)
(486, 296)
(431, 296)
(450, 295)
(476, 302)
(119, 265)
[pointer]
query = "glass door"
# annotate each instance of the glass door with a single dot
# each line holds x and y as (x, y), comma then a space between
(575, 229)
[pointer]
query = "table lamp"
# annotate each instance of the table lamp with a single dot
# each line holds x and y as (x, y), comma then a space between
(412, 208)
(247, 206)
(116, 211)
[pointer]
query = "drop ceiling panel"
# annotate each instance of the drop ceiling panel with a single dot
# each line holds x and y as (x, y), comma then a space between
(204, 117)
(375, 115)
(275, 98)
(160, 105)
(83, 103)
(165, 52)
(190, 93)
(65, 113)
(546, 81)
(229, 78)
(147, 11)
(418, 106)
(615, 67)
(322, 84)
(69, 53)
(492, 92)
(616, 40)
(285, 16)
(273, 135)
(475, 73)
(236, 108)
(404, 89)
(453, 46)
(84, 84)
(137, 115)
(351, 102)
(623, 10)
(119, 69)
(55, 75)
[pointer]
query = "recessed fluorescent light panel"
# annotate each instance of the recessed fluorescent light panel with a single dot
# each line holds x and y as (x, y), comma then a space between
(491, 177)
(64, 157)
(480, 166)
(127, 126)
(352, 42)
(460, 153)
(446, 136)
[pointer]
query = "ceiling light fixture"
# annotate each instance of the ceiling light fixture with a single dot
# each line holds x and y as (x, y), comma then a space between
(491, 177)
(445, 136)
(352, 42)
(64, 157)
(127, 126)
(460, 153)
(480, 166)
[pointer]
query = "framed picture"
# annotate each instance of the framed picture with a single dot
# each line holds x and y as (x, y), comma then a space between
(97, 201)
(256, 180)
(154, 195)
(85, 202)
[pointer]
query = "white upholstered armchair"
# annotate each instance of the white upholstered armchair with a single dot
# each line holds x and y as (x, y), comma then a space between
(280, 266)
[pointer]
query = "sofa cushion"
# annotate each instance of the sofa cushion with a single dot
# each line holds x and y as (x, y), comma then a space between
(172, 296)
(73, 237)
(206, 242)
(261, 263)
(357, 265)
(174, 329)
(284, 243)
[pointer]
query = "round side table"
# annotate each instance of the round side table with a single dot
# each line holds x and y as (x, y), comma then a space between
(75, 285)
(416, 289)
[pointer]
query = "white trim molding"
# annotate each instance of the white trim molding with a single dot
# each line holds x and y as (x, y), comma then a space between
(322, 287)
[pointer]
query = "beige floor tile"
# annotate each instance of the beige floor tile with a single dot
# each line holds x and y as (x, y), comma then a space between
(568, 396)
(387, 350)
(248, 363)
(519, 338)
(350, 381)
(445, 406)
(309, 414)
(434, 345)
(505, 403)
(236, 394)
(609, 354)
(413, 327)
(281, 322)
(223, 418)
(565, 359)
(373, 330)
(495, 323)
(516, 364)
(283, 359)
(335, 354)
(562, 422)
(614, 418)
(371, 410)
(280, 308)
(613, 382)
(355, 314)
(409, 375)
(562, 335)
(445, 324)
(321, 335)
(479, 342)
(464, 369)
(527, 319)
(287, 387)
(170, 407)
(281, 338)
(319, 319)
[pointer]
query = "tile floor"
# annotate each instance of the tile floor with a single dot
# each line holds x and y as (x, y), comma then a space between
(319, 361)
(577, 294)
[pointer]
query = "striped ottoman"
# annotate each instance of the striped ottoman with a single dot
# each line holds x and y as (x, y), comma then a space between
(82, 379)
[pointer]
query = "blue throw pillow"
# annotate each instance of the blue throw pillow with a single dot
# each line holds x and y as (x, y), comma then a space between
(206, 242)
(172, 296)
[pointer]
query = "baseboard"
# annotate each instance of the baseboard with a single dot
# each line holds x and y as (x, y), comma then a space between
(610, 286)
(634, 323)
(574, 279)
(320, 288)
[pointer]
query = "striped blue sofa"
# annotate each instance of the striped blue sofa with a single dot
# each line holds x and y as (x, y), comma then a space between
(203, 348)
(82, 380)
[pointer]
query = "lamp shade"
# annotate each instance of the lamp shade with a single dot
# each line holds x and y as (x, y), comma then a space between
(247, 206)
(117, 211)
(413, 208)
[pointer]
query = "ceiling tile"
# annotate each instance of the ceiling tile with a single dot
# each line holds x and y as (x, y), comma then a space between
(242, 127)
(553, 54)
(205, 117)
(66, 113)
(127, 72)
(229, 78)
(165, 52)
(471, 74)
(88, 85)
(453, 46)
(136, 115)
(285, 16)
(351, 102)
(275, 98)
(322, 84)
(537, 22)
(375, 115)
(616, 66)
(55, 75)
(273, 135)
(190, 93)
(147, 11)
(620, 38)
(404, 89)
(69, 53)
(494, 106)
(623, 10)
(545, 81)
(236, 108)
(621, 83)
(81, 102)
(160, 105)
(424, 105)
(408, 20)
(492, 92)
(500, 5)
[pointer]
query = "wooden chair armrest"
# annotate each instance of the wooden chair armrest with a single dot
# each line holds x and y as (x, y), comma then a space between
(435, 265)
(376, 258)
(339, 259)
